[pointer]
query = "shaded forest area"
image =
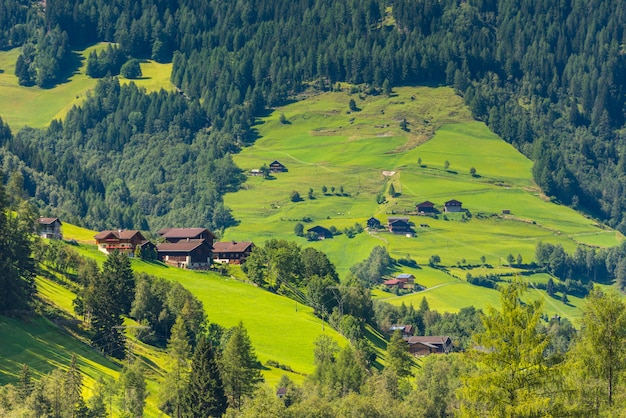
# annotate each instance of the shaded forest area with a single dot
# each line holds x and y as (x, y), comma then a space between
(547, 76)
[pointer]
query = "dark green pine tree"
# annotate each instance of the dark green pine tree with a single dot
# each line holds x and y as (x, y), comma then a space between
(109, 296)
(117, 269)
(204, 396)
(17, 266)
(239, 367)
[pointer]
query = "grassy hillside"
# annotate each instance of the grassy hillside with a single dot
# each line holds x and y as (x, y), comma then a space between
(322, 143)
(36, 107)
(279, 328)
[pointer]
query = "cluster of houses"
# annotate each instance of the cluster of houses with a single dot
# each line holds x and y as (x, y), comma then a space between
(190, 248)
(423, 345)
(402, 224)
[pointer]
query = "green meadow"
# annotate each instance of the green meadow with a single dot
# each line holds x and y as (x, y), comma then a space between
(324, 144)
(35, 107)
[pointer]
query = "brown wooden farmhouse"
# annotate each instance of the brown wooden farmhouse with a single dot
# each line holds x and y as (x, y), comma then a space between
(231, 252)
(424, 345)
(192, 254)
(399, 225)
(123, 241)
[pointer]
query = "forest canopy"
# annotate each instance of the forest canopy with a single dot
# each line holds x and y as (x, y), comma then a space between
(546, 76)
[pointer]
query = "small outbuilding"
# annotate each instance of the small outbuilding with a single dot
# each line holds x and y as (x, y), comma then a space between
(277, 167)
(321, 232)
(425, 208)
(453, 206)
(373, 223)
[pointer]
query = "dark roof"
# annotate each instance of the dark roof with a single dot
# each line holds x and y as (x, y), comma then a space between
(453, 202)
(320, 230)
(394, 220)
(123, 234)
(231, 246)
(276, 162)
(48, 221)
(373, 219)
(181, 246)
(183, 233)
(426, 203)
(429, 340)
(281, 391)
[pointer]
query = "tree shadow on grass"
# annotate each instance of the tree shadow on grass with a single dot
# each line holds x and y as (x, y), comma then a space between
(70, 68)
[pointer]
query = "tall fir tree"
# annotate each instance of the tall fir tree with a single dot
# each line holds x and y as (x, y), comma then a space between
(18, 268)
(239, 367)
(204, 395)
(177, 379)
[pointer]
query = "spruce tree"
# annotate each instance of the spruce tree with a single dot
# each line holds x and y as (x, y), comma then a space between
(204, 395)
(17, 277)
(239, 367)
(178, 350)
(398, 356)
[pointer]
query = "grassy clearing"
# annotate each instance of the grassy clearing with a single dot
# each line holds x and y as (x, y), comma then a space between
(323, 144)
(35, 107)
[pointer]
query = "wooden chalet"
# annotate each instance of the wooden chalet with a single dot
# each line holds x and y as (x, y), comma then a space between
(184, 234)
(399, 225)
(373, 223)
(124, 241)
(191, 254)
(322, 233)
(231, 252)
(425, 345)
(50, 228)
(453, 206)
(425, 208)
(277, 167)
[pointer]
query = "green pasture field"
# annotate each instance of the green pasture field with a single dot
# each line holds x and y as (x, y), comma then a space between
(35, 107)
(323, 144)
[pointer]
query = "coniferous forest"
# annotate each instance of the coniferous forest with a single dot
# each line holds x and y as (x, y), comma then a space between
(546, 76)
